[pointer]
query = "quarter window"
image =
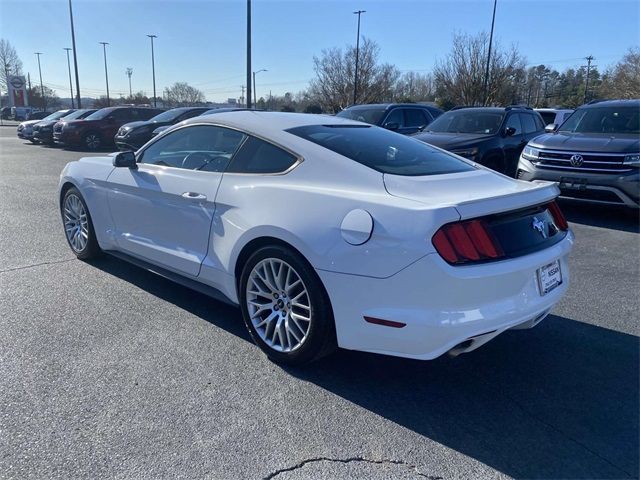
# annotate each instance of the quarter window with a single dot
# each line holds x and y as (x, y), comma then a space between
(395, 116)
(258, 156)
(198, 147)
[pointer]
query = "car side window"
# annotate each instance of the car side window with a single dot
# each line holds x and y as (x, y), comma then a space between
(514, 122)
(121, 115)
(539, 123)
(414, 117)
(260, 157)
(395, 116)
(198, 147)
(528, 123)
(190, 114)
(144, 113)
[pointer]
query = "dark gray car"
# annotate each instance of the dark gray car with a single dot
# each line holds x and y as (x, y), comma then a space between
(594, 155)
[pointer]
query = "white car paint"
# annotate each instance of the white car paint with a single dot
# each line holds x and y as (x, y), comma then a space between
(396, 273)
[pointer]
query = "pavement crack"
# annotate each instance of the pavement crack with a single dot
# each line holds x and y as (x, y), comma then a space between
(350, 460)
(33, 265)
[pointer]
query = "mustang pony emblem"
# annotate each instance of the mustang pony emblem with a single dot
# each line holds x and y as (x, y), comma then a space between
(539, 226)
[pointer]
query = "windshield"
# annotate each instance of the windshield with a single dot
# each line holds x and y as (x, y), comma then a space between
(168, 116)
(382, 150)
(623, 120)
(76, 114)
(100, 114)
(467, 121)
(56, 115)
(372, 115)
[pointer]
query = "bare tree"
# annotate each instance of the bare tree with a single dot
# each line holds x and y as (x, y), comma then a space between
(10, 63)
(332, 88)
(459, 77)
(414, 87)
(623, 80)
(181, 94)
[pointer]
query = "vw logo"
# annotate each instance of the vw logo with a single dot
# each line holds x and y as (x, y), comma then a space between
(576, 160)
(539, 226)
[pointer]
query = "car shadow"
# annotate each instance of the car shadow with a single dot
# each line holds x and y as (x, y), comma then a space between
(557, 401)
(604, 216)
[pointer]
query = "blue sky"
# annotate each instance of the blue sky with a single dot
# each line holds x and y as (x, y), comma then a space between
(203, 42)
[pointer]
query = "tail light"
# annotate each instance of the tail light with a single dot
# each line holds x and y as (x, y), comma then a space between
(558, 216)
(469, 241)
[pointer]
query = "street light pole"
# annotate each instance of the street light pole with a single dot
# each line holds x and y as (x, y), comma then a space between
(486, 73)
(75, 57)
(70, 82)
(129, 72)
(44, 100)
(153, 68)
(355, 80)
(255, 102)
(249, 54)
(106, 73)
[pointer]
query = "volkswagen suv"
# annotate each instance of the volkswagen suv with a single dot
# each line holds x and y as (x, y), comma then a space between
(594, 155)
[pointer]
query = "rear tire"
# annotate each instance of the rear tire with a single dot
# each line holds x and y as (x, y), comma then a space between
(78, 227)
(285, 306)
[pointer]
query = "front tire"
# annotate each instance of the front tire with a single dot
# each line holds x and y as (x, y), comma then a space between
(285, 307)
(92, 141)
(78, 227)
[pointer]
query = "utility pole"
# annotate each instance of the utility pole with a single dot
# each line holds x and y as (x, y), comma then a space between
(70, 82)
(355, 79)
(75, 57)
(486, 73)
(106, 73)
(242, 97)
(44, 101)
(589, 59)
(255, 102)
(248, 53)
(153, 68)
(129, 72)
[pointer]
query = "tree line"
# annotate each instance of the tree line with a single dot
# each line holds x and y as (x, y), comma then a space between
(458, 78)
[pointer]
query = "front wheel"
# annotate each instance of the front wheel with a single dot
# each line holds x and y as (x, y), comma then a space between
(92, 141)
(285, 307)
(78, 227)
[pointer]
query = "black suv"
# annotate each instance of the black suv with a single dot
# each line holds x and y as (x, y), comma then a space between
(594, 155)
(405, 118)
(491, 136)
(131, 136)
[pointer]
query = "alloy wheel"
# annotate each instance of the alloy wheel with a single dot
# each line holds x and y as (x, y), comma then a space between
(279, 305)
(76, 224)
(92, 141)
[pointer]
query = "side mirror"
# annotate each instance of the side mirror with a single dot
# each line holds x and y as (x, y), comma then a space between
(509, 131)
(392, 125)
(125, 159)
(552, 127)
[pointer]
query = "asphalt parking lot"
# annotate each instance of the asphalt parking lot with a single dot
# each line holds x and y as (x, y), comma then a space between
(107, 371)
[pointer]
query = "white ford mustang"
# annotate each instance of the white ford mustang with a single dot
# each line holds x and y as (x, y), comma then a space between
(327, 232)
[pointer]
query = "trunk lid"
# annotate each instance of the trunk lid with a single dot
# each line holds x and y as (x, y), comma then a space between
(474, 194)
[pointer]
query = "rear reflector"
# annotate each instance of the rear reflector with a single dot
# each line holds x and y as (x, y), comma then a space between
(468, 241)
(558, 216)
(385, 323)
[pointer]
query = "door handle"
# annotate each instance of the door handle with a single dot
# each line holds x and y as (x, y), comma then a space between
(194, 196)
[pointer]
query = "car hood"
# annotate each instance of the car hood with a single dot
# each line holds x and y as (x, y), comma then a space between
(473, 194)
(48, 123)
(593, 142)
(143, 123)
(30, 123)
(450, 141)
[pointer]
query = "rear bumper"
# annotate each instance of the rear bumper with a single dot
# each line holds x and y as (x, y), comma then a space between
(607, 188)
(443, 306)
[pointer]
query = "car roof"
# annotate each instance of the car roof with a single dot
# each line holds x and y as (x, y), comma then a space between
(269, 123)
(389, 105)
(634, 102)
(553, 110)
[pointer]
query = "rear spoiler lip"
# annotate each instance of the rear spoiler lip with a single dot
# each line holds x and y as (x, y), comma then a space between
(542, 192)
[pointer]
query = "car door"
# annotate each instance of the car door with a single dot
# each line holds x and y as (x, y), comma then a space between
(162, 210)
(513, 144)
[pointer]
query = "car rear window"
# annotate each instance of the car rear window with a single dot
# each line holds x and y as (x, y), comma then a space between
(382, 150)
